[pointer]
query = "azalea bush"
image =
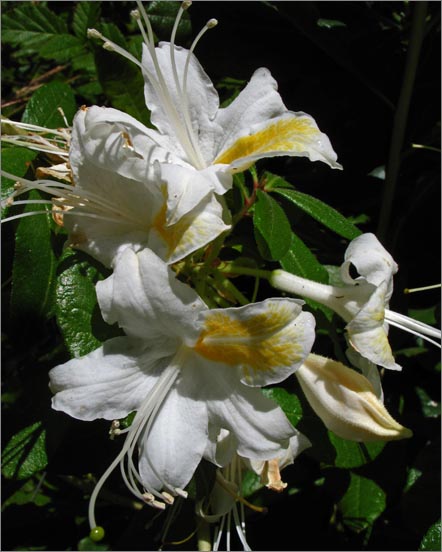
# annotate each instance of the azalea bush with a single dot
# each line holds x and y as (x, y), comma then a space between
(220, 276)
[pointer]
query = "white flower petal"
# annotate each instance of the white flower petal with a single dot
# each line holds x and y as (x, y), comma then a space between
(173, 448)
(268, 340)
(293, 134)
(346, 402)
(367, 331)
(201, 103)
(147, 301)
(111, 139)
(192, 231)
(110, 382)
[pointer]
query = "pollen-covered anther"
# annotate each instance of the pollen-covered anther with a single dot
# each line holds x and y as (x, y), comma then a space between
(186, 4)
(148, 497)
(108, 46)
(135, 14)
(114, 429)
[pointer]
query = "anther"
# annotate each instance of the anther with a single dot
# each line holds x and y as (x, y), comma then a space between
(180, 492)
(114, 429)
(212, 23)
(108, 46)
(168, 498)
(148, 497)
(93, 33)
(186, 4)
(135, 14)
(157, 504)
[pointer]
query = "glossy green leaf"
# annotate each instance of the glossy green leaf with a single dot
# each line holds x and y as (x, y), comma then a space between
(37, 29)
(350, 454)
(163, 14)
(321, 212)
(272, 228)
(432, 538)
(288, 402)
(25, 454)
(76, 308)
(34, 266)
(121, 80)
(363, 502)
(15, 161)
(42, 108)
(86, 15)
(301, 261)
(272, 181)
(251, 482)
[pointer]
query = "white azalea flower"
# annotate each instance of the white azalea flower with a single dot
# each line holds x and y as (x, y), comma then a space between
(226, 501)
(193, 132)
(347, 402)
(188, 371)
(362, 302)
(105, 212)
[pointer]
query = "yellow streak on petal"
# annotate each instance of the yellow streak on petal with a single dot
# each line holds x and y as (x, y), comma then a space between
(262, 342)
(287, 134)
(180, 233)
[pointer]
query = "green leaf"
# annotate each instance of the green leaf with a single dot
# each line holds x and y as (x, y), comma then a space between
(363, 502)
(350, 454)
(34, 265)
(427, 315)
(42, 108)
(272, 228)
(272, 181)
(76, 308)
(29, 493)
(251, 482)
(162, 16)
(25, 454)
(86, 15)
(432, 538)
(289, 403)
(301, 261)
(15, 161)
(121, 80)
(36, 29)
(321, 212)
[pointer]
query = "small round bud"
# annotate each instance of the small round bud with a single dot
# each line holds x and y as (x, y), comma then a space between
(96, 534)
(212, 23)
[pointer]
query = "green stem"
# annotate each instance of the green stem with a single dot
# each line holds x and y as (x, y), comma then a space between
(226, 285)
(231, 268)
(401, 115)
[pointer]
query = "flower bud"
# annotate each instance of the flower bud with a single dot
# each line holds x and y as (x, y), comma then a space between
(346, 402)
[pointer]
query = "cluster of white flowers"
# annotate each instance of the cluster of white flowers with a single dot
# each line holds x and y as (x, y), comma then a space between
(141, 200)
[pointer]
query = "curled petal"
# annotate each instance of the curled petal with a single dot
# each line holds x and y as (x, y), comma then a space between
(367, 331)
(372, 261)
(346, 402)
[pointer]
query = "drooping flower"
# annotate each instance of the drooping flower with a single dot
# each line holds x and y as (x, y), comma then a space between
(226, 506)
(363, 301)
(347, 402)
(188, 372)
(105, 212)
(194, 135)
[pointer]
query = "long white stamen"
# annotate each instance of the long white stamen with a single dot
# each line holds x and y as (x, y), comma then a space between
(143, 416)
(35, 128)
(71, 196)
(411, 324)
(112, 47)
(424, 288)
(183, 131)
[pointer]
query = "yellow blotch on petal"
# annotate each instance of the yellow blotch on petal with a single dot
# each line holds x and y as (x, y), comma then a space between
(288, 134)
(262, 342)
(175, 235)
